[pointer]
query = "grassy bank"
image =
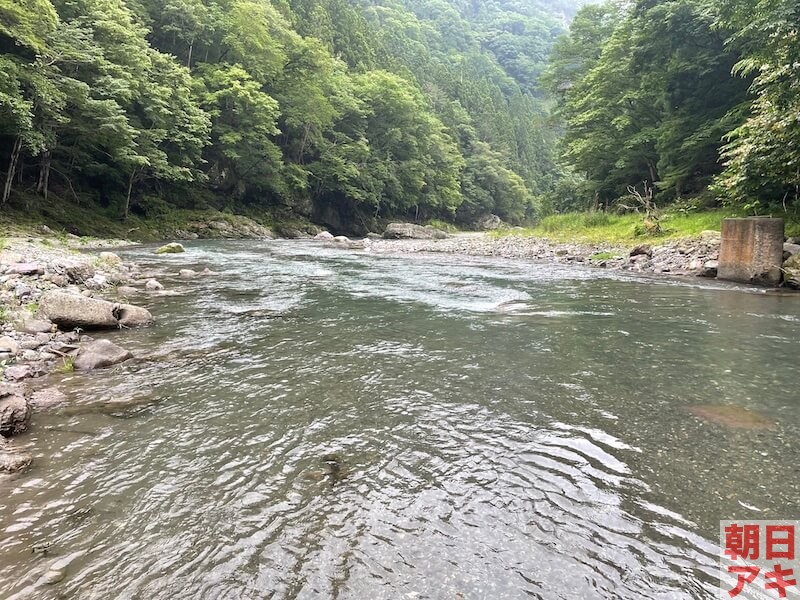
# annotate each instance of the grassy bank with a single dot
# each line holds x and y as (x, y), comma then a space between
(625, 230)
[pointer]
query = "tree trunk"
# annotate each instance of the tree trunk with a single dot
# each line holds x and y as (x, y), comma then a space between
(128, 197)
(189, 61)
(44, 174)
(12, 169)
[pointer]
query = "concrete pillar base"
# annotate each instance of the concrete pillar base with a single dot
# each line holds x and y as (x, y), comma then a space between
(752, 250)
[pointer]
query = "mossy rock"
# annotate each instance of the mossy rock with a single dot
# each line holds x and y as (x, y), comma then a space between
(172, 248)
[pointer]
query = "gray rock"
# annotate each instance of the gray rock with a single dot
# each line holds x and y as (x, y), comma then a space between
(110, 258)
(71, 310)
(129, 315)
(126, 290)
(15, 413)
(153, 286)
(8, 345)
(374, 236)
(37, 326)
(488, 222)
(23, 292)
(18, 372)
(341, 239)
(324, 236)
(642, 250)
(57, 280)
(410, 231)
(171, 248)
(791, 271)
(97, 282)
(76, 271)
(100, 354)
(25, 269)
(791, 249)
(710, 269)
(187, 273)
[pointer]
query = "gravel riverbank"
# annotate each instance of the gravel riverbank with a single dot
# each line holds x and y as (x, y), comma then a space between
(694, 256)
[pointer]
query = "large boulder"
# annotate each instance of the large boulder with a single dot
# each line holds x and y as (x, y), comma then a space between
(99, 354)
(69, 311)
(488, 222)
(410, 231)
(325, 236)
(791, 271)
(15, 413)
(171, 248)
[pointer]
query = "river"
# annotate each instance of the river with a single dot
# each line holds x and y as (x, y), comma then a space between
(316, 423)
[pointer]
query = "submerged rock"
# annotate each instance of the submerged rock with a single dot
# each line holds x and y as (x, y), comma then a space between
(15, 413)
(12, 460)
(100, 354)
(732, 416)
(153, 286)
(171, 248)
(188, 273)
(129, 315)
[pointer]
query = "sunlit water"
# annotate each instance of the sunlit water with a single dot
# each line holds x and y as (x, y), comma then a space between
(313, 423)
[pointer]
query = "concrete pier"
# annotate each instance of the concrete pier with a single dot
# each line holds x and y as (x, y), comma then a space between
(752, 250)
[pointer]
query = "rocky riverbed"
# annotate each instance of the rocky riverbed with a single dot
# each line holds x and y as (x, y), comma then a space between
(53, 296)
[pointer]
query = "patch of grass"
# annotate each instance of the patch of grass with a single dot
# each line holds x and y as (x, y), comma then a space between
(603, 256)
(599, 227)
(3, 314)
(67, 365)
(443, 226)
(33, 308)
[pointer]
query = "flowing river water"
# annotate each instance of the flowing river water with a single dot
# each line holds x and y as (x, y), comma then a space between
(314, 423)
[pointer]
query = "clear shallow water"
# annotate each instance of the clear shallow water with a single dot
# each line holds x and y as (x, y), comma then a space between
(319, 424)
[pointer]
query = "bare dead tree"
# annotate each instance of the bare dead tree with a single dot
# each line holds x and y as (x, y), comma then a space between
(645, 201)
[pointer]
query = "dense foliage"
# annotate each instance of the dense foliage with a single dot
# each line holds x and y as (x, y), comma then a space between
(344, 110)
(681, 94)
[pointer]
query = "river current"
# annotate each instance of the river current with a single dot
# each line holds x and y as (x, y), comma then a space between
(316, 423)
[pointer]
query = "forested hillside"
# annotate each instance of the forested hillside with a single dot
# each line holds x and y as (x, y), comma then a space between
(696, 99)
(344, 111)
(350, 112)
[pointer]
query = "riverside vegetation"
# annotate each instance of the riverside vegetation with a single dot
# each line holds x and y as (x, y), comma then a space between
(132, 115)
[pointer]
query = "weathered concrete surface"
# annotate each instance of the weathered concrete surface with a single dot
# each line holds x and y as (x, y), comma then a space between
(751, 250)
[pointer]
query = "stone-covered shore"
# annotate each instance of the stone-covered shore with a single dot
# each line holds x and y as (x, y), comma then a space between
(694, 256)
(53, 294)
